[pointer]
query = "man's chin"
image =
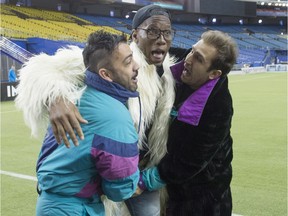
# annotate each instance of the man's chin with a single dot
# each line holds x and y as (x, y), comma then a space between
(183, 78)
(156, 62)
(134, 88)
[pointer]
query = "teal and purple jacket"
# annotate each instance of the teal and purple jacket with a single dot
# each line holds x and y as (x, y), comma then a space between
(106, 161)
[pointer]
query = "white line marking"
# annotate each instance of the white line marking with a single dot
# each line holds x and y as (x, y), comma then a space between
(2, 172)
(253, 78)
(9, 111)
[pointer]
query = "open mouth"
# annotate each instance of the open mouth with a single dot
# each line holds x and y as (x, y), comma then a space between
(134, 78)
(159, 54)
(186, 71)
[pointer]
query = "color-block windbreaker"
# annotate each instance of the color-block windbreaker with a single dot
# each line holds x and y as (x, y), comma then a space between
(107, 159)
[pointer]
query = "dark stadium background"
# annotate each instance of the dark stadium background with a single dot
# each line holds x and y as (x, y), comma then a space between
(259, 27)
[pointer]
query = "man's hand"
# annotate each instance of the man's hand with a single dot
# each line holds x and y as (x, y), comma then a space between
(65, 118)
(137, 192)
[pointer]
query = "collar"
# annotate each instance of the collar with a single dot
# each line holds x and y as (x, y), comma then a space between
(177, 70)
(113, 89)
(191, 110)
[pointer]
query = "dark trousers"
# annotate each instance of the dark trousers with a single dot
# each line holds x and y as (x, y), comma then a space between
(206, 205)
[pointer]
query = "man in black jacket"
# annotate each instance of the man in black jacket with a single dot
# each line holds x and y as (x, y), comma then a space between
(197, 168)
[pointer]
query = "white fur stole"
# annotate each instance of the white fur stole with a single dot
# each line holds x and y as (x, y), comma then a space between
(45, 78)
(157, 97)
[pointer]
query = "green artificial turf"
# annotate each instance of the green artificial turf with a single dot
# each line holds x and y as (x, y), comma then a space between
(259, 131)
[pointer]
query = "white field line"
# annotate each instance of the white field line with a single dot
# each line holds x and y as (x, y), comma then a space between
(2, 172)
(9, 111)
(245, 80)
(35, 179)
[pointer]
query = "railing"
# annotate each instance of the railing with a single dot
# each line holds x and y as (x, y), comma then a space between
(14, 50)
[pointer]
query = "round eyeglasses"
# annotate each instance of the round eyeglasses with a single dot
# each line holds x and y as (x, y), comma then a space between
(156, 33)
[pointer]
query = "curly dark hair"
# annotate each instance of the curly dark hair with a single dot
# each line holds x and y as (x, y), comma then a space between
(99, 48)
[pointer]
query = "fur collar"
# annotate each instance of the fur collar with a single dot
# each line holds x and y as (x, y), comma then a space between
(157, 97)
(45, 78)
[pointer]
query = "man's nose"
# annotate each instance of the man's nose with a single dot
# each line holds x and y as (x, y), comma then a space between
(136, 66)
(161, 38)
(189, 59)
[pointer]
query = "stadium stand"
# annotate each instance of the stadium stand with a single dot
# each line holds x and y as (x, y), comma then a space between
(39, 30)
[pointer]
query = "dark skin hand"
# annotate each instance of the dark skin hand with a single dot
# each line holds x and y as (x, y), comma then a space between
(65, 119)
(64, 116)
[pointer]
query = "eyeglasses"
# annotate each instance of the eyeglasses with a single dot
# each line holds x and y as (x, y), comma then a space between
(156, 33)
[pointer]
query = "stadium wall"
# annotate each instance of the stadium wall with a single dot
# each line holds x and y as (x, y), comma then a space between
(220, 7)
(8, 91)
(40, 45)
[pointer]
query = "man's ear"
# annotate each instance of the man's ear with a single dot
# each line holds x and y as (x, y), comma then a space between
(134, 35)
(215, 74)
(105, 74)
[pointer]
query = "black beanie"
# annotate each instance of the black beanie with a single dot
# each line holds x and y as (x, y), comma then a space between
(146, 12)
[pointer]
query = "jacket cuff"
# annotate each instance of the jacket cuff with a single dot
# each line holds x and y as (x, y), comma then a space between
(141, 183)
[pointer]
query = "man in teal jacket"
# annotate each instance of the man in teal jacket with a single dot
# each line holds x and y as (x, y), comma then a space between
(72, 180)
